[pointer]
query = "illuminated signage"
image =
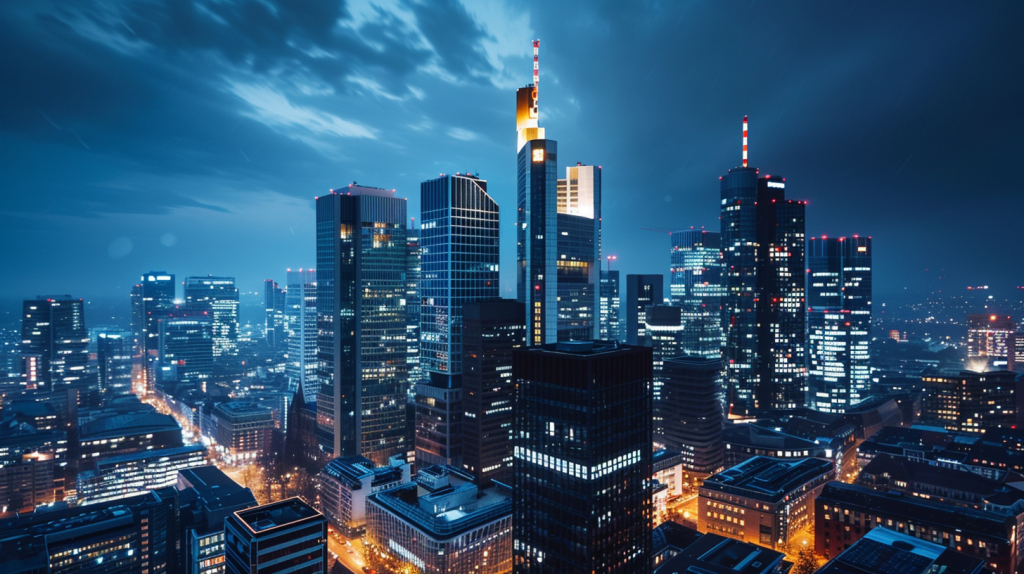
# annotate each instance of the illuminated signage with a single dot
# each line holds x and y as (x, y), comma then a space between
(776, 184)
(538, 154)
(862, 249)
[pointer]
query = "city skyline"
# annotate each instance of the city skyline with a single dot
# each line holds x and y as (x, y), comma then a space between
(160, 175)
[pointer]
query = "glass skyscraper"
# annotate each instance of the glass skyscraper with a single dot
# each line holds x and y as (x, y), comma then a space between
(611, 327)
(459, 264)
(763, 309)
(413, 271)
(152, 299)
(664, 334)
(186, 349)
(642, 291)
(54, 337)
(300, 309)
(361, 324)
(697, 288)
(114, 363)
(583, 459)
(274, 326)
(218, 297)
(838, 322)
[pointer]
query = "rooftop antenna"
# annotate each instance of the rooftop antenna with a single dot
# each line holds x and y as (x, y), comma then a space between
(536, 77)
(744, 137)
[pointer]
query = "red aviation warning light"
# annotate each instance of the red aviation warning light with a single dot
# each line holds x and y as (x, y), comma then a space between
(744, 139)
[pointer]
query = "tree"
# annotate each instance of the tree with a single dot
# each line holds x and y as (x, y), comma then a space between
(806, 562)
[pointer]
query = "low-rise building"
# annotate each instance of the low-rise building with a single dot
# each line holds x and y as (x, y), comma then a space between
(679, 549)
(884, 551)
(241, 430)
(121, 476)
(206, 497)
(443, 522)
(969, 401)
(763, 500)
(345, 483)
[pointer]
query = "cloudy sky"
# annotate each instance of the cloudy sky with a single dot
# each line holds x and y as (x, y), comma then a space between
(192, 135)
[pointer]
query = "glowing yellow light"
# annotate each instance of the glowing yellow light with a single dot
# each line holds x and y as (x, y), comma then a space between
(538, 154)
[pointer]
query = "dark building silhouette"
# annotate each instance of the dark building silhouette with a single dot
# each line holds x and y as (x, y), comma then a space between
(663, 325)
(583, 459)
(969, 401)
(53, 332)
(691, 407)
(642, 291)
(492, 330)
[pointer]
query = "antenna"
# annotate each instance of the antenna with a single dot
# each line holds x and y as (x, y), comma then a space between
(536, 76)
(744, 139)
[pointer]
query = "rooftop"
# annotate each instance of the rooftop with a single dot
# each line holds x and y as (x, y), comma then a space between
(884, 551)
(127, 424)
(270, 516)
(714, 554)
(768, 479)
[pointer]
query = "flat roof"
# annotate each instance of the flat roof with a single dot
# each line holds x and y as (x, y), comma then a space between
(276, 514)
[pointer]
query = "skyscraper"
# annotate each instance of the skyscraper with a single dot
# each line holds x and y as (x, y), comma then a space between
(152, 299)
(218, 297)
(274, 326)
(285, 536)
(360, 305)
(664, 334)
(991, 340)
(611, 328)
(582, 474)
(114, 361)
(492, 330)
(53, 333)
(300, 309)
(642, 291)
(459, 264)
(413, 271)
(186, 349)
(697, 287)
(763, 310)
(558, 232)
(838, 322)
(692, 412)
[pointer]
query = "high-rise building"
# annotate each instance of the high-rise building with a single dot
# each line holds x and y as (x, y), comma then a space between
(459, 264)
(413, 271)
(642, 291)
(31, 465)
(583, 458)
(284, 536)
(697, 286)
(300, 310)
(763, 309)
(361, 324)
(206, 496)
(971, 401)
(53, 333)
(611, 328)
(114, 361)
(152, 299)
(991, 341)
(218, 297)
(692, 412)
(492, 330)
(186, 349)
(663, 325)
(275, 322)
(838, 322)
(558, 232)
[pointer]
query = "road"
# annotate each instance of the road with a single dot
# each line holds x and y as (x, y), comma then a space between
(337, 545)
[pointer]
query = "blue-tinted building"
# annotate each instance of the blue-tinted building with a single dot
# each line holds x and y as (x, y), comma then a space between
(459, 264)
(114, 362)
(361, 323)
(53, 333)
(300, 310)
(697, 287)
(285, 536)
(611, 326)
(186, 349)
(642, 291)
(152, 299)
(838, 322)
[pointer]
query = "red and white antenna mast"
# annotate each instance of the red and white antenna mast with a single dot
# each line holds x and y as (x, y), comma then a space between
(744, 139)
(536, 77)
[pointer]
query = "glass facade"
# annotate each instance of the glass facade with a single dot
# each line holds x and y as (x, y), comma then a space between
(114, 362)
(218, 297)
(186, 349)
(838, 322)
(53, 332)
(152, 299)
(536, 226)
(697, 287)
(692, 412)
(413, 272)
(274, 325)
(300, 309)
(459, 264)
(611, 327)
(642, 291)
(583, 459)
(361, 323)
(665, 333)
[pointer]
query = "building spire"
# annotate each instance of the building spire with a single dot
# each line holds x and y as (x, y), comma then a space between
(536, 78)
(744, 138)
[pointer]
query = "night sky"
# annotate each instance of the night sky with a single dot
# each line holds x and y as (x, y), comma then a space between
(192, 136)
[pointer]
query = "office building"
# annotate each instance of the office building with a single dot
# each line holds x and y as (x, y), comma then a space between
(31, 465)
(558, 232)
(838, 322)
(845, 513)
(125, 475)
(611, 326)
(885, 551)
(53, 332)
(274, 326)
(206, 496)
(970, 401)
(218, 298)
(583, 458)
(152, 300)
(413, 272)
(186, 346)
(763, 309)
(284, 536)
(241, 430)
(346, 483)
(114, 363)
(664, 332)
(361, 323)
(697, 286)
(642, 291)
(1018, 356)
(126, 433)
(991, 341)
(459, 264)
(300, 312)
(691, 408)
(492, 331)
(129, 536)
(681, 549)
(443, 522)
(763, 500)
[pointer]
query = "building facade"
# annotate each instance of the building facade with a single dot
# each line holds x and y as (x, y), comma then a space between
(991, 340)
(122, 476)
(692, 412)
(413, 304)
(274, 319)
(186, 355)
(664, 334)
(346, 483)
(114, 363)
(583, 458)
(642, 291)
(53, 332)
(969, 401)
(242, 431)
(697, 286)
(361, 323)
(152, 300)
(300, 312)
(284, 536)
(611, 326)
